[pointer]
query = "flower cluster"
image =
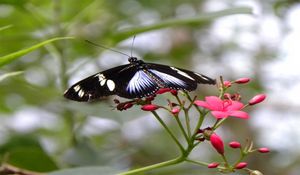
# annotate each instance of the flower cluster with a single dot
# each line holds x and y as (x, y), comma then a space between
(220, 107)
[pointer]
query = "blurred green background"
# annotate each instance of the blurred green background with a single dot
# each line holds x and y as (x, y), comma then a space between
(41, 131)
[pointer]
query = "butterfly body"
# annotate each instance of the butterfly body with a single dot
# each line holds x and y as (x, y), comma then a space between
(135, 80)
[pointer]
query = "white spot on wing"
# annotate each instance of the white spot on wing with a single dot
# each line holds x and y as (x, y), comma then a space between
(101, 78)
(77, 88)
(168, 78)
(102, 82)
(111, 85)
(182, 73)
(80, 93)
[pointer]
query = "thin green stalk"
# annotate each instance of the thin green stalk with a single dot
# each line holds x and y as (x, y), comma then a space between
(187, 119)
(218, 123)
(197, 162)
(155, 166)
(182, 129)
(225, 161)
(192, 101)
(168, 130)
(187, 122)
(199, 123)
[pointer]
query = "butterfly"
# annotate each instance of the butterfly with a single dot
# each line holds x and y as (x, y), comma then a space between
(137, 79)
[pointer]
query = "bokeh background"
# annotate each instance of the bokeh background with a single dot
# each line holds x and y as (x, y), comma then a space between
(41, 131)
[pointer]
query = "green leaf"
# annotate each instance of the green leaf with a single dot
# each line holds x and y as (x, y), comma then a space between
(32, 159)
(5, 27)
(13, 56)
(11, 74)
(93, 170)
(25, 151)
(200, 19)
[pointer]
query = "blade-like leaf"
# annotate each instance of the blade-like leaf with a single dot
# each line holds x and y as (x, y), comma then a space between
(13, 56)
(200, 19)
(5, 27)
(4, 76)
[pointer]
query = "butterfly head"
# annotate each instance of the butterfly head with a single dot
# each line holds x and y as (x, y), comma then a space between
(132, 59)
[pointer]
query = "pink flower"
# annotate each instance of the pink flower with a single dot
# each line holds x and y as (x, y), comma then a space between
(242, 80)
(217, 143)
(213, 165)
(241, 165)
(235, 144)
(263, 150)
(223, 108)
(149, 107)
(227, 84)
(257, 99)
(175, 111)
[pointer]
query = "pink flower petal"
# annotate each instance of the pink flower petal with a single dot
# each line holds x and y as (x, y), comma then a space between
(215, 103)
(239, 114)
(235, 105)
(202, 104)
(219, 114)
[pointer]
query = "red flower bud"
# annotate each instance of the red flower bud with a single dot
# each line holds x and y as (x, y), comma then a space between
(257, 99)
(174, 92)
(175, 111)
(163, 90)
(241, 165)
(263, 150)
(242, 80)
(149, 107)
(217, 143)
(127, 106)
(150, 98)
(213, 165)
(227, 84)
(234, 144)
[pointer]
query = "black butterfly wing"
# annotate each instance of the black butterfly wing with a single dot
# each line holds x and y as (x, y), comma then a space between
(176, 78)
(128, 81)
(95, 86)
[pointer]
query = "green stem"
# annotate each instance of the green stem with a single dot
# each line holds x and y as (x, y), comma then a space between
(199, 123)
(168, 130)
(187, 119)
(192, 101)
(197, 162)
(225, 161)
(182, 129)
(218, 123)
(155, 166)
(187, 122)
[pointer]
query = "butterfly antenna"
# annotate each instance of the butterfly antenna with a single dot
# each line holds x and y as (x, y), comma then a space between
(98, 45)
(132, 45)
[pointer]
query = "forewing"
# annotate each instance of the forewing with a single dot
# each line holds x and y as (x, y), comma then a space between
(176, 78)
(96, 86)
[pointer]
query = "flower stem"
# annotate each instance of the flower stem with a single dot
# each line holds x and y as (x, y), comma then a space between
(155, 166)
(187, 121)
(182, 129)
(168, 130)
(197, 162)
(218, 123)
